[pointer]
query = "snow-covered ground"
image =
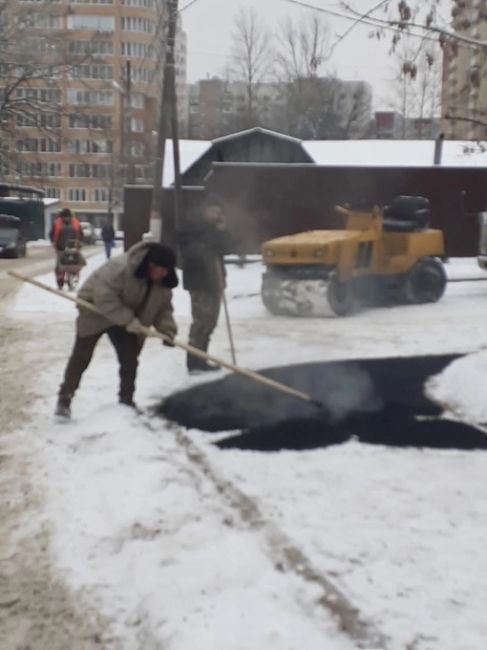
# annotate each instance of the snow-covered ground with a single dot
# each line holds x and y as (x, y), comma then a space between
(151, 525)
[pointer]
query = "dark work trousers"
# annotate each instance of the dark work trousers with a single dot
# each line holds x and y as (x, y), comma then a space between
(127, 346)
(108, 248)
(205, 309)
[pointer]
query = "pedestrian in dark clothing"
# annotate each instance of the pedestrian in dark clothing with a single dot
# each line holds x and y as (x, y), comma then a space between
(108, 236)
(131, 291)
(203, 242)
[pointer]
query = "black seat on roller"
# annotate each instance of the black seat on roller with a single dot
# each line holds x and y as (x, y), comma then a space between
(407, 214)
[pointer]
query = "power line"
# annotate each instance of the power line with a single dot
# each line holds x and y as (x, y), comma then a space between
(357, 22)
(188, 5)
(393, 26)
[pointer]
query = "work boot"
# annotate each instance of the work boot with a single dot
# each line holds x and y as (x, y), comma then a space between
(63, 407)
(128, 401)
(196, 365)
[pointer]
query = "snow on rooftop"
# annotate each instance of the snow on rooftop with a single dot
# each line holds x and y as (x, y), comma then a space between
(189, 152)
(374, 153)
(394, 153)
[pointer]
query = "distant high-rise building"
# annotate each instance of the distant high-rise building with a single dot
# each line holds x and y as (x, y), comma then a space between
(464, 97)
(311, 108)
(107, 98)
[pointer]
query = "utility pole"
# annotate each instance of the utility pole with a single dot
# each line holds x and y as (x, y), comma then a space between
(176, 156)
(166, 103)
(127, 119)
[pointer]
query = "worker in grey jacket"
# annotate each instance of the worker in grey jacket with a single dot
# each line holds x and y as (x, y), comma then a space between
(130, 291)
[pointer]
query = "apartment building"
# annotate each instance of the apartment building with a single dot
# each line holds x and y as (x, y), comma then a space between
(107, 95)
(218, 107)
(464, 95)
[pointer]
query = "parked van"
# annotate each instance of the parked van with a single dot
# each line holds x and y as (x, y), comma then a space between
(12, 240)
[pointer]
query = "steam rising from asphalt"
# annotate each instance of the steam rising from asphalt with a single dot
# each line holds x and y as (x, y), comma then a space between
(377, 401)
(343, 389)
(349, 391)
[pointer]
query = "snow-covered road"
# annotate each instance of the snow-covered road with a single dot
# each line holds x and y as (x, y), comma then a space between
(179, 545)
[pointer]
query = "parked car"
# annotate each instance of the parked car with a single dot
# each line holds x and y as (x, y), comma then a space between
(88, 232)
(12, 240)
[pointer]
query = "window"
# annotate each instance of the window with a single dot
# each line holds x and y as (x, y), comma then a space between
(101, 146)
(137, 100)
(143, 172)
(137, 24)
(77, 194)
(28, 144)
(141, 50)
(96, 23)
(136, 125)
(90, 97)
(51, 120)
(39, 169)
(43, 45)
(145, 4)
(47, 95)
(91, 47)
(140, 75)
(90, 121)
(136, 149)
(42, 21)
(101, 195)
(83, 170)
(52, 192)
(91, 2)
(95, 71)
(79, 171)
(100, 171)
(48, 145)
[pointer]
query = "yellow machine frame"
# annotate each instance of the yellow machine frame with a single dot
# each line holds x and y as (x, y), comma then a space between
(363, 248)
(363, 263)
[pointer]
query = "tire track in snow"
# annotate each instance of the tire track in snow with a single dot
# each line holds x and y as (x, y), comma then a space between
(284, 553)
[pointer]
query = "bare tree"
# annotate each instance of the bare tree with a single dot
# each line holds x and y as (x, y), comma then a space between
(318, 107)
(251, 57)
(415, 17)
(33, 60)
(427, 99)
(457, 35)
(302, 48)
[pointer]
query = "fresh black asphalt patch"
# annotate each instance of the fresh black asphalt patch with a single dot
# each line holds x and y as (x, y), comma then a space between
(376, 401)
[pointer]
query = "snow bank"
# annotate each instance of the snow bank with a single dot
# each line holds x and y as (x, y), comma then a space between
(461, 388)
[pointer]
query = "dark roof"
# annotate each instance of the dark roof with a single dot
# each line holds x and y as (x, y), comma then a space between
(256, 145)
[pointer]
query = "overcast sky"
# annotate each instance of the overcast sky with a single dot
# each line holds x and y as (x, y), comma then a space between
(208, 24)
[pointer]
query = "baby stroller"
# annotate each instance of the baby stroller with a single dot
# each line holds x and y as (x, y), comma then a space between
(70, 263)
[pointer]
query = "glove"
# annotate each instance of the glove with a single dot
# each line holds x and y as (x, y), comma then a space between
(135, 327)
(169, 343)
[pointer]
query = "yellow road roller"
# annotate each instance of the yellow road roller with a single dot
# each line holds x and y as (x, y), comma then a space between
(384, 255)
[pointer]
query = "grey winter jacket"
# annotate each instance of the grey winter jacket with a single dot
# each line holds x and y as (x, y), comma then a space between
(120, 296)
(202, 248)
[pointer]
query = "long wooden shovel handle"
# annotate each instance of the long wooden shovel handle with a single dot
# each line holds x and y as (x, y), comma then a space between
(250, 374)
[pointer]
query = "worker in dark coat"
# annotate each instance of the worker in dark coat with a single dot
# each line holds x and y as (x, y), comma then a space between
(131, 292)
(203, 242)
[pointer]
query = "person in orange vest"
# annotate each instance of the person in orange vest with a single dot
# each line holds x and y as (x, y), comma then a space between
(65, 227)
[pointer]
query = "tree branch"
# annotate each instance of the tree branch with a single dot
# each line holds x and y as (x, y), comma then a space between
(396, 26)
